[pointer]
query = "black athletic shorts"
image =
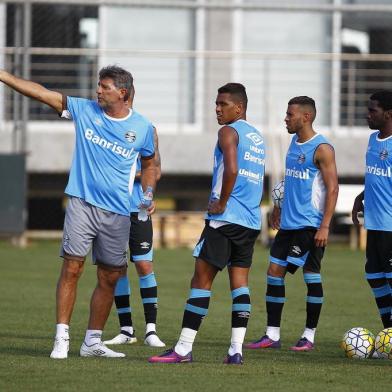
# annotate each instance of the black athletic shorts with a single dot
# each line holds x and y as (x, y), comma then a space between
(140, 239)
(228, 245)
(378, 251)
(296, 248)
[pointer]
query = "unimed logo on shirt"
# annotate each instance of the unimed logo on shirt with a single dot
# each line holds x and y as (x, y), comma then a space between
(112, 146)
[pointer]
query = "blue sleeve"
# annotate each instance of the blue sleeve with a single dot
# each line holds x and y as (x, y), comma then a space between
(76, 106)
(148, 148)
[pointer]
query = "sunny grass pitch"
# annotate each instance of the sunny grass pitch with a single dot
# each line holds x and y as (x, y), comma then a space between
(27, 283)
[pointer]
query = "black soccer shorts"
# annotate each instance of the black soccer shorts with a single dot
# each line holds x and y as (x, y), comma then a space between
(140, 239)
(229, 245)
(296, 248)
(378, 251)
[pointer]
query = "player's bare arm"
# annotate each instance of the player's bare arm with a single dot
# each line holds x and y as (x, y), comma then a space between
(33, 90)
(157, 156)
(228, 141)
(274, 218)
(148, 177)
(325, 160)
(357, 207)
(157, 159)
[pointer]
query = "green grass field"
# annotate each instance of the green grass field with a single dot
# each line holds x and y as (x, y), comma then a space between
(27, 287)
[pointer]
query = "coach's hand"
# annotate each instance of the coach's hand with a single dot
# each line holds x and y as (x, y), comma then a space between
(151, 209)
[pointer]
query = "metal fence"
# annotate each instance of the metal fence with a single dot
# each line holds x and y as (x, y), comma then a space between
(180, 52)
(179, 56)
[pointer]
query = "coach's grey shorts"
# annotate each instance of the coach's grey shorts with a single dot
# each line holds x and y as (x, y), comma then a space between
(87, 226)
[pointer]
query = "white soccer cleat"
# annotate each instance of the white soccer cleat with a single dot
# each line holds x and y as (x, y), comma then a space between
(153, 340)
(60, 348)
(99, 350)
(121, 338)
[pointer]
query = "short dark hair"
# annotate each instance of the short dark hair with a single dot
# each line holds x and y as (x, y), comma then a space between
(384, 99)
(237, 90)
(121, 78)
(304, 100)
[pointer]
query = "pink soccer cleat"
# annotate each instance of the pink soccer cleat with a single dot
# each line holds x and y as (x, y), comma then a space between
(303, 344)
(264, 342)
(170, 356)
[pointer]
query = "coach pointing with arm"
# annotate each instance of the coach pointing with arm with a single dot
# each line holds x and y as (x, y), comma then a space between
(109, 139)
(33, 90)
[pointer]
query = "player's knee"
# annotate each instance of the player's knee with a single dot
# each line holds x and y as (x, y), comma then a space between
(276, 270)
(201, 282)
(72, 267)
(144, 268)
(108, 277)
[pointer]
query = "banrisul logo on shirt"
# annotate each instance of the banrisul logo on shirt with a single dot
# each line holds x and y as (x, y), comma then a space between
(130, 136)
(106, 144)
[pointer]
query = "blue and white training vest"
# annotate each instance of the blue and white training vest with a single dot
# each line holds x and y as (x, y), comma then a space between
(243, 205)
(304, 188)
(378, 184)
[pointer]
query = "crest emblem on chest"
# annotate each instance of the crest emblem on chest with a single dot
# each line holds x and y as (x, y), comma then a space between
(384, 154)
(301, 158)
(130, 136)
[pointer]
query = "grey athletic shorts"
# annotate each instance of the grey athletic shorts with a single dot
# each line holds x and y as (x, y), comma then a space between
(87, 226)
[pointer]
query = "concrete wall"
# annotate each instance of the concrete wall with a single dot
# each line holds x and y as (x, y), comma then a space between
(51, 151)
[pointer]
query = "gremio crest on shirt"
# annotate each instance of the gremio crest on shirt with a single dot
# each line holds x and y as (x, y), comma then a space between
(301, 158)
(130, 136)
(384, 154)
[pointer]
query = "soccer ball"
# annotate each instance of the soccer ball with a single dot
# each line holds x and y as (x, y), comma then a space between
(384, 343)
(358, 343)
(277, 194)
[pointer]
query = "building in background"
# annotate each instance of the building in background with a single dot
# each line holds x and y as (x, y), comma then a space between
(337, 51)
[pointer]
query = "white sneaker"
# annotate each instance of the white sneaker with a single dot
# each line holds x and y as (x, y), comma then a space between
(121, 338)
(60, 348)
(153, 340)
(99, 350)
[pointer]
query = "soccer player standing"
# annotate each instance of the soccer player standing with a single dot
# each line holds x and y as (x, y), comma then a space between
(233, 222)
(141, 254)
(310, 194)
(109, 139)
(375, 201)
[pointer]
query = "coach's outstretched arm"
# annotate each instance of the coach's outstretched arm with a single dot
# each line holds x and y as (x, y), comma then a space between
(33, 90)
